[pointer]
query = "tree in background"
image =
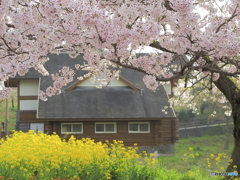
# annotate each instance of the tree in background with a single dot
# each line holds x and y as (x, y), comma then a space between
(207, 31)
(210, 106)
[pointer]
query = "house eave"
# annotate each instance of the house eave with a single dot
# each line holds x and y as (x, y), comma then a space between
(105, 119)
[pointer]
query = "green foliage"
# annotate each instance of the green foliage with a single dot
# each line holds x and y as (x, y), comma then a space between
(191, 157)
(12, 102)
(186, 115)
(203, 106)
(217, 130)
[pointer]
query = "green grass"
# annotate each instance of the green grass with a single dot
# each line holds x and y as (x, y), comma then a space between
(204, 146)
(12, 110)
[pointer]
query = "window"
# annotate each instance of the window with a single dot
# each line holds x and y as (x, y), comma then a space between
(73, 128)
(138, 127)
(105, 127)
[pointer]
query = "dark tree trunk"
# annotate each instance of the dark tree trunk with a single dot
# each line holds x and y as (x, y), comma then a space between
(236, 134)
(231, 92)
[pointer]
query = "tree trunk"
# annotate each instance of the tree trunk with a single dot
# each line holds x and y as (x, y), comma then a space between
(236, 134)
(231, 92)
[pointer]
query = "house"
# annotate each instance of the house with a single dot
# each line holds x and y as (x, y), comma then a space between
(124, 110)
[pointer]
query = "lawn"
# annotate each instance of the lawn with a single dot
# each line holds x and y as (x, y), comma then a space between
(12, 102)
(192, 153)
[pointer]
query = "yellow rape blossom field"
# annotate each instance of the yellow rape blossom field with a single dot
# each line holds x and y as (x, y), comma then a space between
(25, 156)
(37, 156)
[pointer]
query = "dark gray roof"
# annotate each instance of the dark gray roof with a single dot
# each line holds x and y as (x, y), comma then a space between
(108, 102)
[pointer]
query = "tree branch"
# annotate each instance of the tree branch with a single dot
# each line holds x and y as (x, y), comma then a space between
(216, 70)
(167, 5)
(157, 45)
(227, 87)
(129, 26)
(12, 50)
(233, 15)
(10, 25)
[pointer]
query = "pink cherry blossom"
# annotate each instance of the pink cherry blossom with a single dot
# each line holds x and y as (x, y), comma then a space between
(108, 34)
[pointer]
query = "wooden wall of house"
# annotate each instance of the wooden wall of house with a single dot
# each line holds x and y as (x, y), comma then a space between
(161, 132)
(27, 116)
(164, 131)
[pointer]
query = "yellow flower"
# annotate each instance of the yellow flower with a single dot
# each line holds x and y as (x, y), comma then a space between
(220, 154)
(151, 155)
(218, 159)
(212, 155)
(190, 149)
(192, 155)
(190, 173)
(222, 168)
(43, 153)
(235, 166)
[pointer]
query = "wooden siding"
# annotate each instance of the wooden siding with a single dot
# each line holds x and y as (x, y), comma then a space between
(142, 139)
(161, 132)
(27, 116)
(164, 131)
(11, 83)
(24, 127)
(28, 97)
(168, 131)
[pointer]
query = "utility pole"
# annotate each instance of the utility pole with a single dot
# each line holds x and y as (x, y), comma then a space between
(7, 111)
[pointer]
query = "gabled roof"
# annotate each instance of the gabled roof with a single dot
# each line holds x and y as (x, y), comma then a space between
(108, 102)
(86, 82)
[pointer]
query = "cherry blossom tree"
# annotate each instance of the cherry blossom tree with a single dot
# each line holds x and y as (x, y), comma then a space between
(199, 98)
(109, 32)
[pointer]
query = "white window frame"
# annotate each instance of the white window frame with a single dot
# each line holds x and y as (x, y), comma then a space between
(72, 128)
(114, 123)
(139, 127)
